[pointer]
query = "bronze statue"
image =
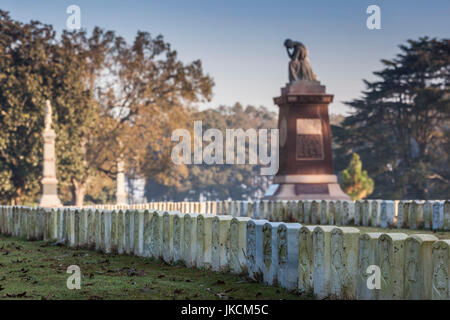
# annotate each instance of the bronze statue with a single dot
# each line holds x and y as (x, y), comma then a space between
(299, 66)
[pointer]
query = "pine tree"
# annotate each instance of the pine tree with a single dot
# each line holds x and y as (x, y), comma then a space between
(355, 181)
(399, 125)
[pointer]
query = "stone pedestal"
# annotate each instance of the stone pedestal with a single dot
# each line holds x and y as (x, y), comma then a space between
(49, 196)
(306, 162)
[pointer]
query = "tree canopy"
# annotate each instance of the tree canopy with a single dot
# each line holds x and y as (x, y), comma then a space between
(400, 127)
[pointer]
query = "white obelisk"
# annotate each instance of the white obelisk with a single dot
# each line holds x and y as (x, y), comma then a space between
(49, 182)
(121, 195)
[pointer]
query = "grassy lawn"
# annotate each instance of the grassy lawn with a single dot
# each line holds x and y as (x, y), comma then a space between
(37, 270)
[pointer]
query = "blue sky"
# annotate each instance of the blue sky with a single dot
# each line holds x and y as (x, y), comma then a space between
(241, 42)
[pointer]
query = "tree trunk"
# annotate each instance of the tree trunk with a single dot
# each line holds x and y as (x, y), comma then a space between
(18, 197)
(79, 191)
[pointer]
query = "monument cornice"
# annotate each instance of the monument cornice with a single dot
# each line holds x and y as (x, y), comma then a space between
(304, 99)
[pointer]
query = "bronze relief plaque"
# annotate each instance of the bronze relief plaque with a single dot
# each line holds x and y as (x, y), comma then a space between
(309, 141)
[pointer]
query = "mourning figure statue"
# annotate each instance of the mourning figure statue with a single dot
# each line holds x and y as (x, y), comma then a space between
(299, 66)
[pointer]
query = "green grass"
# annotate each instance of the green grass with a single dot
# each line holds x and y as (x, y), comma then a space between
(37, 270)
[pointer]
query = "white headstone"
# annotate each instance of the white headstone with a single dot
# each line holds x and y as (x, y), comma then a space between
(220, 235)
(391, 257)
(270, 253)
(367, 256)
(190, 239)
(386, 214)
(305, 259)
(156, 235)
(437, 215)
(447, 215)
(287, 250)
(344, 262)
(168, 236)
(178, 237)
(358, 213)
(147, 233)
(204, 240)
(254, 248)
(322, 261)
(366, 213)
(237, 244)
(418, 266)
(315, 212)
(348, 213)
(324, 218)
(441, 270)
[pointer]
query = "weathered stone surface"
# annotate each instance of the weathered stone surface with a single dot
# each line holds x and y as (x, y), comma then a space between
(277, 212)
(139, 223)
(31, 223)
(107, 226)
(266, 210)
(403, 214)
(190, 239)
(447, 215)
(387, 214)
(156, 235)
(324, 212)
(287, 250)
(344, 262)
(121, 229)
(305, 259)
(83, 230)
(438, 215)
(334, 217)
(348, 213)
(307, 211)
(254, 248)
(237, 244)
(416, 215)
(315, 212)
(114, 231)
(299, 213)
(131, 230)
(220, 236)
(147, 233)
(23, 224)
(322, 261)
(167, 236)
(441, 270)
(367, 256)
(418, 266)
(76, 227)
(127, 233)
(366, 213)
(339, 214)
(427, 214)
(374, 213)
(270, 253)
(270, 209)
(358, 213)
(391, 257)
(257, 207)
(178, 237)
(204, 240)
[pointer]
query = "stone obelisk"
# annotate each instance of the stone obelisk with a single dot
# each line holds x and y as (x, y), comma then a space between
(121, 195)
(49, 182)
(306, 160)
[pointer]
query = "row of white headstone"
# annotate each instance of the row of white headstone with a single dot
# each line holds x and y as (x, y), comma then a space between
(329, 261)
(431, 215)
